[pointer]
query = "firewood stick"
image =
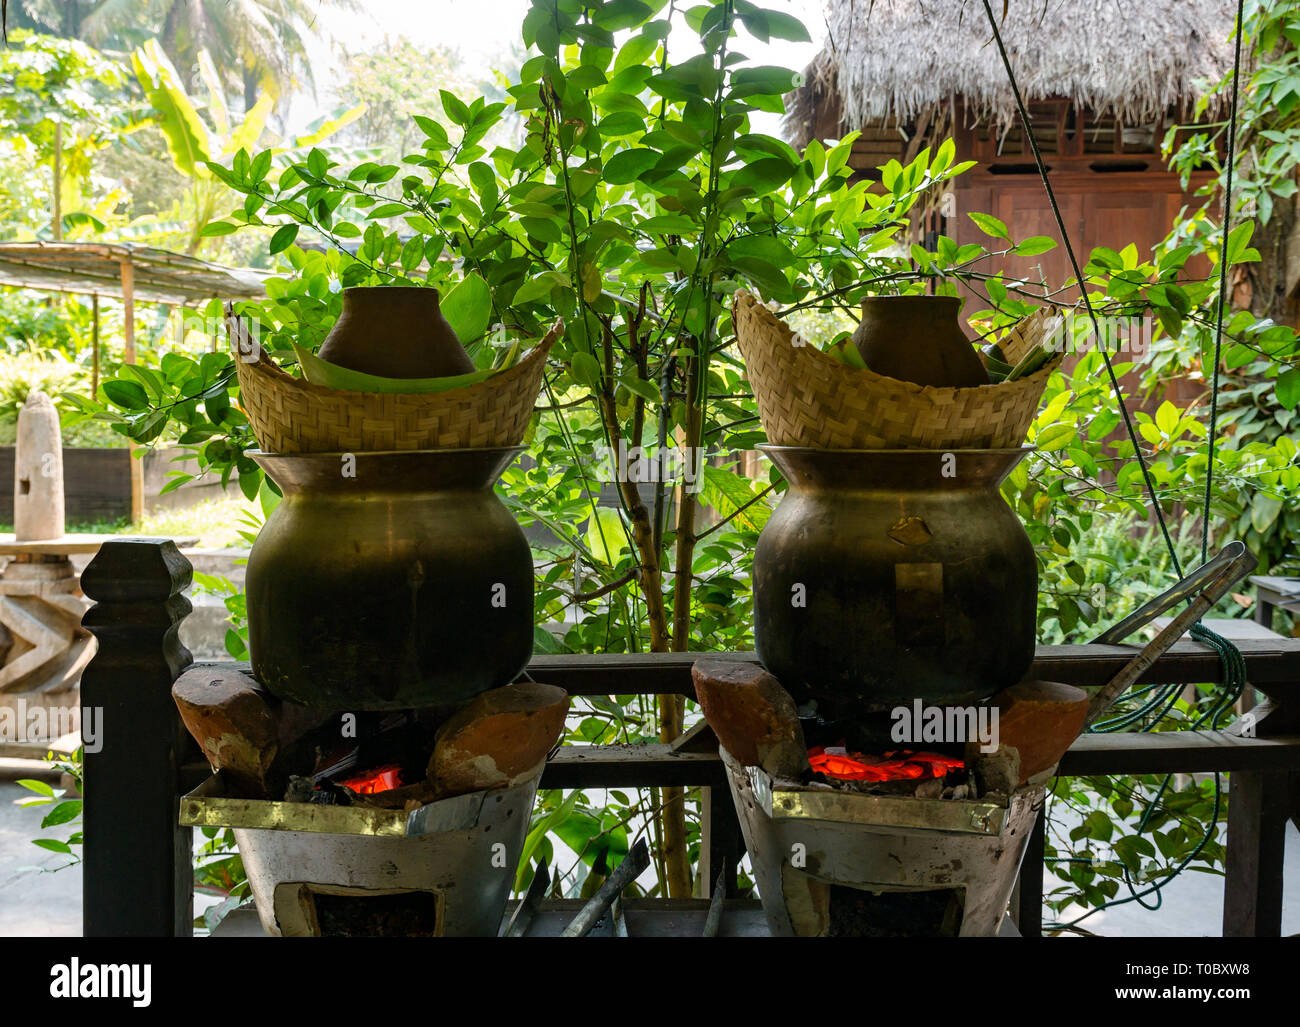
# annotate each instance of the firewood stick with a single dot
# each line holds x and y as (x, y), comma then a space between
(635, 861)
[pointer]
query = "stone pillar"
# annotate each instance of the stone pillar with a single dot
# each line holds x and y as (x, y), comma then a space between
(43, 649)
(38, 471)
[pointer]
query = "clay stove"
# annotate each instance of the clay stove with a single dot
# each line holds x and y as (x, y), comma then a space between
(407, 823)
(831, 863)
(443, 869)
(902, 842)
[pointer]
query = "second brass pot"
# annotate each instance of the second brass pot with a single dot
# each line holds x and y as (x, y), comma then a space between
(886, 576)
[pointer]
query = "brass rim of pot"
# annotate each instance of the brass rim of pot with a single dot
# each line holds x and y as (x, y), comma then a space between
(400, 470)
(942, 469)
(912, 298)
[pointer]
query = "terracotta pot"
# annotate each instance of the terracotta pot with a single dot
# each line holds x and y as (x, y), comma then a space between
(405, 584)
(918, 339)
(889, 575)
(395, 332)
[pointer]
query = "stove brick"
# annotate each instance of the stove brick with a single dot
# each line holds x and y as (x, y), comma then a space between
(498, 738)
(753, 716)
(1041, 720)
(236, 724)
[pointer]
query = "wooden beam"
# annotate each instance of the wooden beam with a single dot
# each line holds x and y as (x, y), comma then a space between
(651, 764)
(1177, 752)
(1027, 900)
(1273, 665)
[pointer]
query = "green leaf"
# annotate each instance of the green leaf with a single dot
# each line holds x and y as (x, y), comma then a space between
(412, 253)
(1034, 245)
(1131, 848)
(39, 787)
(454, 107)
(1264, 510)
(1167, 418)
(62, 813)
(53, 845)
(765, 24)
(727, 492)
(585, 370)
(1239, 243)
(331, 376)
(634, 52)
(629, 165)
(1055, 436)
(1288, 388)
(990, 225)
(283, 238)
(639, 387)
(182, 128)
(1105, 257)
(605, 536)
(127, 395)
(320, 131)
(468, 307)
(621, 123)
(539, 288)
(215, 228)
(763, 175)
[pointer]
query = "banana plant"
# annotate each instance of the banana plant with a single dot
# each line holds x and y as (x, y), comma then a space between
(193, 140)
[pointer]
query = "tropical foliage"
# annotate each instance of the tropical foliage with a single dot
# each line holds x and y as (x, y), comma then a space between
(639, 194)
(639, 200)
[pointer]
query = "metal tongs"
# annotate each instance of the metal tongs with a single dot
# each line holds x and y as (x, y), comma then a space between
(1202, 588)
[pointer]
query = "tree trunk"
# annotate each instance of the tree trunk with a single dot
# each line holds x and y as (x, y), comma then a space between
(70, 22)
(672, 708)
(1267, 288)
(670, 815)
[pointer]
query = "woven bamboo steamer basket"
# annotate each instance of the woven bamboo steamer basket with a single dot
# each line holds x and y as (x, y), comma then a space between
(808, 398)
(291, 415)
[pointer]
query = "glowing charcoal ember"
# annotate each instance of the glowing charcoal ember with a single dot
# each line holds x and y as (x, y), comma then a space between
(836, 762)
(372, 782)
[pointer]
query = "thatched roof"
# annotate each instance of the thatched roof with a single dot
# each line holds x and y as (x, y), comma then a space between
(95, 268)
(890, 60)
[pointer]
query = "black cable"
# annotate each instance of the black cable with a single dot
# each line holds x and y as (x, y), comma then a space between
(1083, 290)
(1223, 283)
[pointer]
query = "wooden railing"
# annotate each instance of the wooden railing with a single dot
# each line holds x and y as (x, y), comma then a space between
(137, 876)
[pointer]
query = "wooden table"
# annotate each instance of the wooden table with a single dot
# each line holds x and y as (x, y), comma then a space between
(1273, 593)
(75, 545)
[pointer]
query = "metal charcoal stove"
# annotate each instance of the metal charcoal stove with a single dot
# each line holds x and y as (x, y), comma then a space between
(841, 863)
(908, 842)
(444, 869)
(405, 823)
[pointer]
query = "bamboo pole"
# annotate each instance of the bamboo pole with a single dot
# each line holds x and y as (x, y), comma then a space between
(56, 225)
(128, 335)
(94, 345)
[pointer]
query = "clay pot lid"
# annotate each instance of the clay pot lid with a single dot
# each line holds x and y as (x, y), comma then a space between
(395, 331)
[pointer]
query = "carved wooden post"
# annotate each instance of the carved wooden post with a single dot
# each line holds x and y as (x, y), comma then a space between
(138, 877)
